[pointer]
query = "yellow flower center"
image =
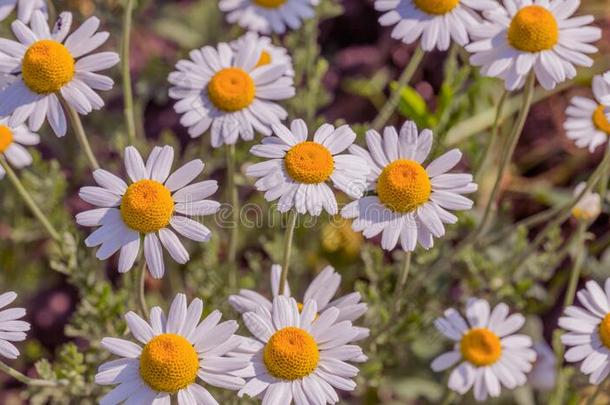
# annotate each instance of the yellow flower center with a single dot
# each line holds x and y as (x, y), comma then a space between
(604, 331)
(436, 7)
(265, 59)
(290, 354)
(270, 3)
(403, 185)
(481, 347)
(339, 237)
(147, 206)
(533, 29)
(169, 363)
(231, 89)
(47, 66)
(6, 138)
(300, 306)
(309, 163)
(600, 120)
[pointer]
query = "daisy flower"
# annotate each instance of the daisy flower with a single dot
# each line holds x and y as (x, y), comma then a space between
(50, 66)
(437, 21)
(298, 169)
(321, 290)
(268, 16)
(154, 201)
(411, 202)
(298, 356)
(586, 123)
(12, 140)
(588, 331)
(227, 92)
(11, 328)
(487, 349)
(589, 207)
(170, 356)
(270, 54)
(538, 35)
(25, 8)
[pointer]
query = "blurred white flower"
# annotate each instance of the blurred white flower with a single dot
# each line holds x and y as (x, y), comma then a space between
(589, 207)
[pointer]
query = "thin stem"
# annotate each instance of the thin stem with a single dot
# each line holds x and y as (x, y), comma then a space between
(512, 142)
(29, 201)
(495, 130)
(404, 79)
(577, 266)
(234, 202)
(22, 378)
(292, 221)
(128, 109)
(449, 397)
(402, 281)
(598, 390)
(51, 10)
(81, 136)
(140, 286)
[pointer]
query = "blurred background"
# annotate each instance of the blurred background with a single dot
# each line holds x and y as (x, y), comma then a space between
(345, 63)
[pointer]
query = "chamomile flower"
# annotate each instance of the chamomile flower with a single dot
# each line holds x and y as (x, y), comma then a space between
(298, 356)
(489, 352)
(321, 290)
(228, 92)
(299, 169)
(270, 54)
(411, 201)
(25, 8)
(12, 140)
(11, 328)
(588, 331)
(148, 207)
(436, 21)
(587, 124)
(268, 16)
(589, 207)
(50, 65)
(538, 35)
(177, 355)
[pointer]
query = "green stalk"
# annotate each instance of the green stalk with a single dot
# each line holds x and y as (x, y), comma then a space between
(140, 285)
(512, 142)
(81, 136)
(29, 201)
(292, 221)
(402, 281)
(128, 109)
(495, 130)
(404, 79)
(32, 382)
(234, 202)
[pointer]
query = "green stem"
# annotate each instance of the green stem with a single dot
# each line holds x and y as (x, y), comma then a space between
(292, 221)
(140, 286)
(402, 281)
(128, 109)
(449, 397)
(577, 266)
(51, 11)
(29, 201)
(81, 136)
(22, 378)
(495, 130)
(404, 79)
(512, 142)
(234, 202)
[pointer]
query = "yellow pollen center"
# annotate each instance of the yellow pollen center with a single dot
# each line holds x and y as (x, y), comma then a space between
(265, 59)
(604, 331)
(481, 347)
(309, 163)
(6, 138)
(436, 7)
(231, 89)
(533, 29)
(270, 3)
(600, 120)
(47, 66)
(300, 306)
(291, 353)
(169, 363)
(147, 206)
(403, 185)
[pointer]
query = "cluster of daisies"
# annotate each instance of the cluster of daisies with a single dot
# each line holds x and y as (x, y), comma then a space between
(300, 351)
